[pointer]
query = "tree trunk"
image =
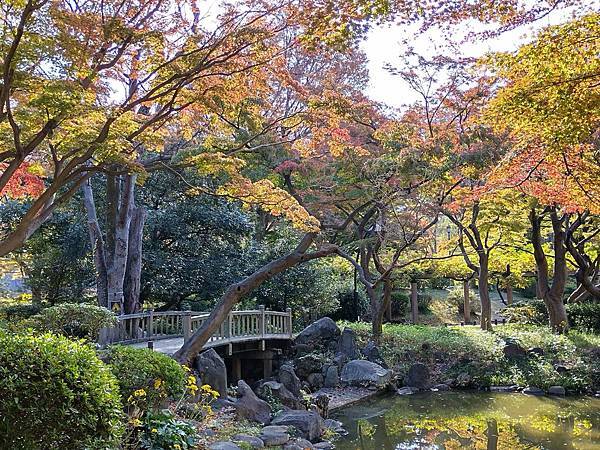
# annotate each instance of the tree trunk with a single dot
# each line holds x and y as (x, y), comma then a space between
(133, 272)
(237, 291)
(386, 299)
(414, 302)
(484, 292)
(509, 294)
(466, 302)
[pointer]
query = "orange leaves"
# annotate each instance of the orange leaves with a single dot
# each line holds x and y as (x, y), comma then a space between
(272, 199)
(25, 182)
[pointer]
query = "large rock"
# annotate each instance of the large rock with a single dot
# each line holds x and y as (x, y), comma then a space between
(212, 371)
(418, 376)
(305, 365)
(332, 377)
(274, 435)
(308, 423)
(371, 352)
(298, 444)
(347, 344)
(250, 407)
(288, 377)
(513, 350)
(248, 441)
(362, 373)
(222, 445)
(278, 391)
(315, 380)
(319, 333)
(533, 390)
(557, 390)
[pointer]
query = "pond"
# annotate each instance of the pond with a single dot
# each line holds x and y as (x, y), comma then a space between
(477, 420)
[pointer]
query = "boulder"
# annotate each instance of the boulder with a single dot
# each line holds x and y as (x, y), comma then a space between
(250, 407)
(513, 349)
(557, 390)
(301, 349)
(319, 333)
(372, 353)
(335, 426)
(440, 387)
(536, 351)
(533, 390)
(504, 388)
(324, 446)
(418, 376)
(347, 344)
(315, 380)
(222, 445)
(274, 389)
(308, 423)
(365, 373)
(339, 360)
(463, 380)
(249, 441)
(274, 435)
(332, 377)
(305, 365)
(288, 377)
(212, 371)
(406, 390)
(298, 444)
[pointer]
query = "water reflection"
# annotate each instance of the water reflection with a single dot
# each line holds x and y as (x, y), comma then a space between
(458, 420)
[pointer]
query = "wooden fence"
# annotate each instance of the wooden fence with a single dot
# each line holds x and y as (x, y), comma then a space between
(240, 326)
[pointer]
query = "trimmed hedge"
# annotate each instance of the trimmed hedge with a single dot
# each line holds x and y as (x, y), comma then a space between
(140, 368)
(56, 393)
(78, 320)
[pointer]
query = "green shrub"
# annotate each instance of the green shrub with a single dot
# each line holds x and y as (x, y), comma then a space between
(585, 316)
(456, 299)
(141, 368)
(164, 431)
(531, 313)
(75, 320)
(19, 311)
(55, 394)
(401, 303)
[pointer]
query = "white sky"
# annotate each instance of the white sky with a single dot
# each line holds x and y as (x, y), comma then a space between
(383, 46)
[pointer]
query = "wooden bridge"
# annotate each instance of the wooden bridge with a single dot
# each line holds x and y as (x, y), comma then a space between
(167, 331)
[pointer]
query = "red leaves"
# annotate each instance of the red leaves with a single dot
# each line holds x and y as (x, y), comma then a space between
(23, 183)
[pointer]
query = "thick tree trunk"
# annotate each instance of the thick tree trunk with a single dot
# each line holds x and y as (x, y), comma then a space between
(97, 244)
(414, 302)
(237, 291)
(133, 272)
(552, 295)
(509, 294)
(466, 302)
(386, 299)
(484, 292)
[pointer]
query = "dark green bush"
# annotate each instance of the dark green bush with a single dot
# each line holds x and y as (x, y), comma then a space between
(78, 320)
(401, 303)
(19, 311)
(55, 394)
(584, 316)
(140, 368)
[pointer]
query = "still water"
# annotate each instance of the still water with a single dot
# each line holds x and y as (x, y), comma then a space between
(457, 420)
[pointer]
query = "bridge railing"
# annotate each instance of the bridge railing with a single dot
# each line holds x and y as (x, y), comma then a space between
(239, 326)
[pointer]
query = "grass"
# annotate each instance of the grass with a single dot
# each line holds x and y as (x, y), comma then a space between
(450, 351)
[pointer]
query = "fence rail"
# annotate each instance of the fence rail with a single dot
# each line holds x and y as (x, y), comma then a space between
(239, 326)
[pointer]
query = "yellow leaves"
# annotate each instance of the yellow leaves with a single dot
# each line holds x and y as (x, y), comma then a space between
(210, 164)
(272, 199)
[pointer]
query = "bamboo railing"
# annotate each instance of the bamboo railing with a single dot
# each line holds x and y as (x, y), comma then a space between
(238, 327)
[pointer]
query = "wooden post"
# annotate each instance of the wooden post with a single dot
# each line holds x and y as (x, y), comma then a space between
(414, 304)
(466, 302)
(228, 326)
(150, 323)
(509, 294)
(267, 367)
(236, 369)
(187, 327)
(289, 321)
(261, 320)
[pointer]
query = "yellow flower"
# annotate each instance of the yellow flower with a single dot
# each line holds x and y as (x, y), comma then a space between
(177, 447)
(157, 384)
(135, 422)
(186, 368)
(154, 430)
(139, 393)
